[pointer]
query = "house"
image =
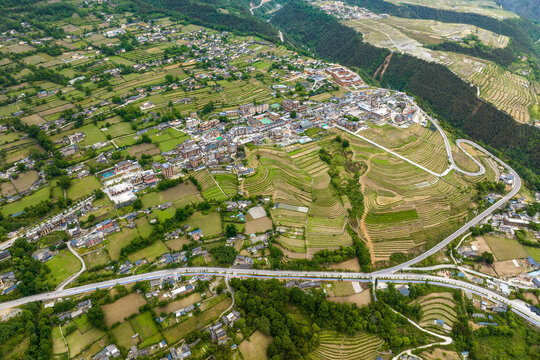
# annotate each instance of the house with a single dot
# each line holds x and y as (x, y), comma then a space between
(230, 318)
(5, 255)
(111, 351)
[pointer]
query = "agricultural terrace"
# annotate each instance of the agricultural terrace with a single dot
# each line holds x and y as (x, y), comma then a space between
(408, 209)
(300, 178)
(509, 92)
(393, 34)
(180, 195)
(483, 7)
(209, 186)
(437, 306)
(334, 346)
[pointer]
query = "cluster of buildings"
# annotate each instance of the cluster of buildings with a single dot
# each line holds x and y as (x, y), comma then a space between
(218, 332)
(123, 180)
(346, 12)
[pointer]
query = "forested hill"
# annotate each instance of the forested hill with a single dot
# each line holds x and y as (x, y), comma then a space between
(232, 16)
(522, 32)
(526, 8)
(435, 86)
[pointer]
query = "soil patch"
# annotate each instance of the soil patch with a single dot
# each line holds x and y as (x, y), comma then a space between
(122, 308)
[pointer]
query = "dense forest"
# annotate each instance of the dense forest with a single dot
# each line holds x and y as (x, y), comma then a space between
(439, 90)
(503, 57)
(268, 306)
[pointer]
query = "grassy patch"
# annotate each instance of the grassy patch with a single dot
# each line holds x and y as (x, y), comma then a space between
(82, 187)
(209, 224)
(391, 217)
(145, 326)
(19, 205)
(63, 266)
(149, 253)
(505, 248)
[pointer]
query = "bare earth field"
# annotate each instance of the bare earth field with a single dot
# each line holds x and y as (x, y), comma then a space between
(254, 347)
(122, 308)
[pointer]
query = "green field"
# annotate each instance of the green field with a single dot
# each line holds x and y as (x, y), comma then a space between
(505, 248)
(145, 326)
(391, 217)
(62, 266)
(209, 224)
(149, 253)
(27, 201)
(82, 187)
(534, 252)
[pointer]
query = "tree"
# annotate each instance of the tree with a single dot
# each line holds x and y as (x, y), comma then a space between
(137, 204)
(293, 114)
(99, 194)
(487, 257)
(96, 317)
(64, 182)
(231, 231)
(224, 255)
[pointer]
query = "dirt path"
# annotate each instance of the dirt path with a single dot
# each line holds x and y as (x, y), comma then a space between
(383, 66)
(362, 224)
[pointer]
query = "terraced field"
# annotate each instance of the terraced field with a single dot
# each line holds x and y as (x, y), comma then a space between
(228, 182)
(437, 306)
(334, 346)
(509, 92)
(209, 188)
(407, 208)
(279, 177)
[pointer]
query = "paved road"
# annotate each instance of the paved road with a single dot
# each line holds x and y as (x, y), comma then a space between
(465, 228)
(519, 307)
(69, 280)
(396, 154)
(447, 340)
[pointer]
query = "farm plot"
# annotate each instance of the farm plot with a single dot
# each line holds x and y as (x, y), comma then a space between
(278, 177)
(24, 181)
(149, 253)
(123, 308)
(180, 195)
(504, 248)
(176, 332)
(145, 326)
(78, 341)
(62, 266)
(27, 201)
(338, 346)
(210, 224)
(438, 312)
(509, 92)
(210, 190)
(254, 347)
(228, 182)
(82, 187)
(123, 334)
(140, 149)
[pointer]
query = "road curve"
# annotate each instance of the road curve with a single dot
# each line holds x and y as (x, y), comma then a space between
(518, 307)
(62, 285)
(476, 220)
(447, 339)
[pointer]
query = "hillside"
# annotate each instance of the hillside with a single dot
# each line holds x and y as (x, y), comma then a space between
(526, 8)
(434, 85)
